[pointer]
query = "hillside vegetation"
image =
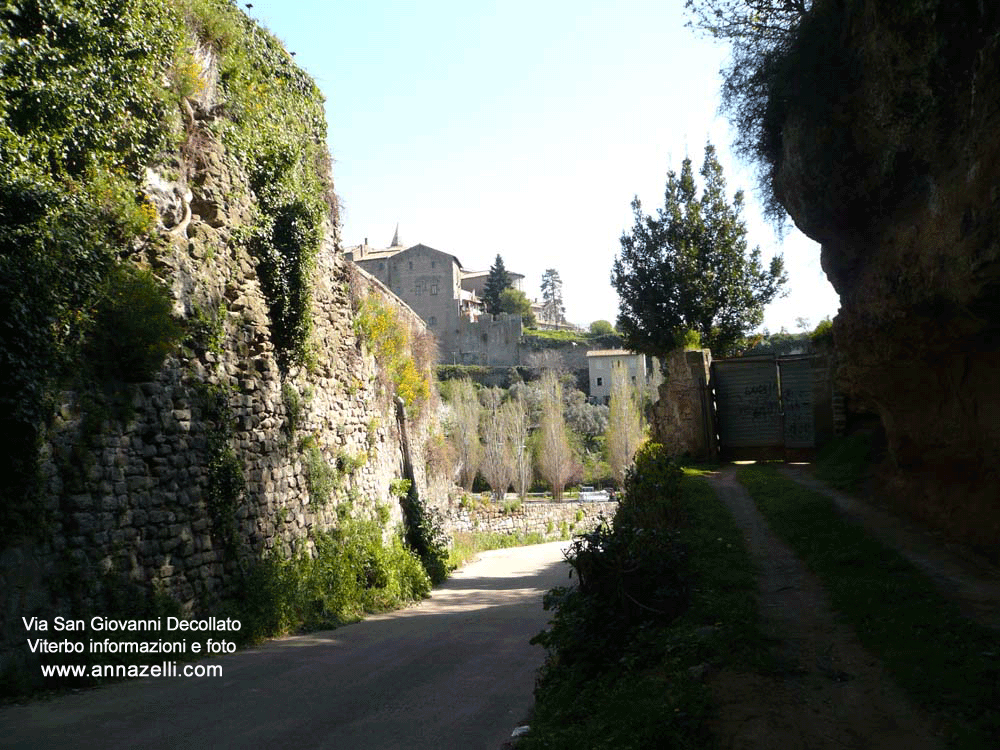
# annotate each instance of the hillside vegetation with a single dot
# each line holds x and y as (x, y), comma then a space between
(91, 95)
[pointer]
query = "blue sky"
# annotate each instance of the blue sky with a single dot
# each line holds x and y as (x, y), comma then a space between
(524, 129)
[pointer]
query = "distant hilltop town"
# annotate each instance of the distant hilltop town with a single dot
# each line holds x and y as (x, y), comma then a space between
(449, 299)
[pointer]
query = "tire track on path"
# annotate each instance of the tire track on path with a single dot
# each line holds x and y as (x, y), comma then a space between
(828, 692)
(970, 581)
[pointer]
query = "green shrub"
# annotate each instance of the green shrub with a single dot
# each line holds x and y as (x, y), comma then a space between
(135, 327)
(425, 535)
(641, 693)
(823, 331)
(294, 408)
(348, 464)
(687, 339)
(510, 506)
(378, 324)
(630, 573)
(206, 330)
(352, 571)
(627, 578)
(400, 487)
(651, 490)
(321, 478)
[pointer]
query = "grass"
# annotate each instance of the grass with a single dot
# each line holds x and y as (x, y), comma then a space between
(948, 665)
(467, 544)
(654, 697)
(844, 462)
(538, 333)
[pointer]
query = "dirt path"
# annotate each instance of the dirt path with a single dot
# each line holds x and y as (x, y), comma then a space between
(829, 692)
(970, 581)
(454, 673)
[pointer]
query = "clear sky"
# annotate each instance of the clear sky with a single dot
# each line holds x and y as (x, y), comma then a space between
(524, 129)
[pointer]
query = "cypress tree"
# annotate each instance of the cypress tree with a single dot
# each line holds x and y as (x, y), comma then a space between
(496, 282)
(688, 269)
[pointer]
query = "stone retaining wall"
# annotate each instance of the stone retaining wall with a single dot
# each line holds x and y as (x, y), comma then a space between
(551, 519)
(174, 486)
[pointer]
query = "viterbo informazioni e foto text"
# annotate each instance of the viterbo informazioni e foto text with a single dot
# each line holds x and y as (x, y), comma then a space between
(104, 635)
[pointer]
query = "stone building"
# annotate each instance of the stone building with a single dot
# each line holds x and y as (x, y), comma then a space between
(599, 364)
(446, 296)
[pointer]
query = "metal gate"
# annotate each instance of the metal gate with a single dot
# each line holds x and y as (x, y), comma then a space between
(764, 407)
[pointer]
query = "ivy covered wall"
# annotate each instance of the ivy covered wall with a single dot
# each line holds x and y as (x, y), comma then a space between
(187, 371)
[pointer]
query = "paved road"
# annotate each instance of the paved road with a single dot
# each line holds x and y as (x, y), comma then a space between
(455, 672)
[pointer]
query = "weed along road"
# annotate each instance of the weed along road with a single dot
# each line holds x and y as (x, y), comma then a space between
(457, 671)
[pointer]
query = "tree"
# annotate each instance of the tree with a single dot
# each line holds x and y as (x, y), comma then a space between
(625, 429)
(762, 76)
(688, 268)
(553, 310)
(757, 24)
(602, 328)
(517, 425)
(497, 465)
(465, 430)
(589, 421)
(496, 282)
(515, 302)
(555, 456)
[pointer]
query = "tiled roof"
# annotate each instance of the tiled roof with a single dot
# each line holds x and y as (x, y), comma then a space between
(611, 353)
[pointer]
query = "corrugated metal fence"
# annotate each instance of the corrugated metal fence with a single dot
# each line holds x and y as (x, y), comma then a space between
(764, 407)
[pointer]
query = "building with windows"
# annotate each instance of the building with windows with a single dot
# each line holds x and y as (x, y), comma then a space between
(446, 296)
(599, 364)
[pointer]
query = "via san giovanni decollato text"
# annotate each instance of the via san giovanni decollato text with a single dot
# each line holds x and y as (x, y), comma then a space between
(154, 624)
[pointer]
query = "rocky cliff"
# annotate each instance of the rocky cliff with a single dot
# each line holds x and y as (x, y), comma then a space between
(888, 154)
(199, 380)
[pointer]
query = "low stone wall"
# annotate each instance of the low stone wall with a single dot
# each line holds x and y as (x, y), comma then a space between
(551, 519)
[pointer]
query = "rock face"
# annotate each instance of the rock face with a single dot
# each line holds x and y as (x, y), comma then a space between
(897, 174)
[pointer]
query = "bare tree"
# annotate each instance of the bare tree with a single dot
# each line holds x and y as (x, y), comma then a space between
(625, 429)
(555, 456)
(498, 455)
(465, 430)
(517, 426)
(546, 359)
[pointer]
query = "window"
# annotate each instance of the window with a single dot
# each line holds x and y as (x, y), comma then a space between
(410, 265)
(600, 381)
(381, 265)
(433, 264)
(633, 380)
(433, 321)
(434, 288)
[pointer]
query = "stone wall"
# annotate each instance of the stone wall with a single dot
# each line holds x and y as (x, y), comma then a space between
(552, 520)
(682, 417)
(174, 485)
(490, 341)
